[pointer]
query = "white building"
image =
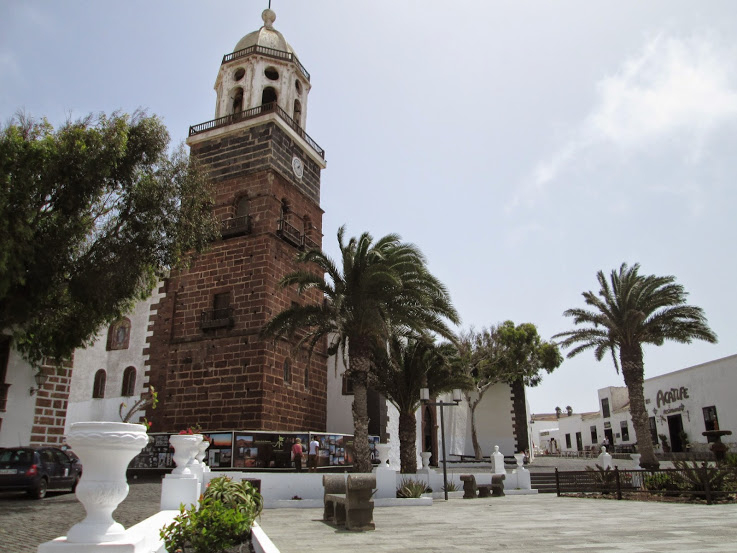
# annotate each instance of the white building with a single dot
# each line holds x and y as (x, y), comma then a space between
(681, 405)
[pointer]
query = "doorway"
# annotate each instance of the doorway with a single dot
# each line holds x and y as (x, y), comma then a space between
(675, 429)
(579, 441)
(609, 435)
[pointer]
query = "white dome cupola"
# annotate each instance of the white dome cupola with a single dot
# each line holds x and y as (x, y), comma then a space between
(263, 70)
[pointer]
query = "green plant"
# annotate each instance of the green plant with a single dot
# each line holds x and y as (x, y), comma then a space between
(694, 478)
(662, 481)
(411, 488)
(451, 487)
(212, 528)
(241, 495)
(226, 513)
(604, 478)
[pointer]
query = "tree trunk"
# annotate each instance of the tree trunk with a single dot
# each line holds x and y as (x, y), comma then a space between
(407, 443)
(474, 438)
(359, 376)
(633, 371)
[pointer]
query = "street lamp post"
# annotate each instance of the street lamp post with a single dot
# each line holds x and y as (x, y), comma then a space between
(425, 399)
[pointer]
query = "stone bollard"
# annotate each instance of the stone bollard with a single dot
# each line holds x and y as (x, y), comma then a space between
(605, 460)
(105, 449)
(497, 461)
(469, 486)
(181, 486)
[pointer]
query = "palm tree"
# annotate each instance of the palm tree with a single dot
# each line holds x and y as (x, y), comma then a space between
(631, 311)
(380, 286)
(402, 368)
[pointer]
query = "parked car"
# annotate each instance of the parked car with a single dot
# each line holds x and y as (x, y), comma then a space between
(37, 470)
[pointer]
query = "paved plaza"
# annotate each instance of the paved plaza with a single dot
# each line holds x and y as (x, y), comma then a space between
(538, 523)
(516, 524)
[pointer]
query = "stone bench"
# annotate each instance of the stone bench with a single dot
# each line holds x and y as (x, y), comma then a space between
(472, 490)
(348, 502)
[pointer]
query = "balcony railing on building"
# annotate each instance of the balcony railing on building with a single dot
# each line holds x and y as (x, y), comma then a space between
(269, 53)
(258, 111)
(217, 318)
(236, 226)
(291, 234)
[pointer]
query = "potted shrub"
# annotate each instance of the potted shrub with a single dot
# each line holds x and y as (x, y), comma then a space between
(221, 523)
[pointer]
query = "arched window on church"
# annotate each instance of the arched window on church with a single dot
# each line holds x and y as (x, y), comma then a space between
(287, 371)
(297, 112)
(268, 95)
(129, 382)
(98, 387)
(237, 105)
(118, 335)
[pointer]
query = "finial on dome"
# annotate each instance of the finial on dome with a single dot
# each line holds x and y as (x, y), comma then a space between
(269, 17)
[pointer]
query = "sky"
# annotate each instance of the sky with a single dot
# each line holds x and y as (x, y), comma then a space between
(521, 145)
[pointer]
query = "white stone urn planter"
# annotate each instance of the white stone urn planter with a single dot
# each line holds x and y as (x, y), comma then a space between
(520, 458)
(426, 459)
(201, 449)
(636, 458)
(383, 451)
(185, 449)
(105, 449)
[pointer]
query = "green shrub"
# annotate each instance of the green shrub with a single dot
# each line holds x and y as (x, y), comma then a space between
(411, 488)
(662, 481)
(224, 518)
(241, 495)
(604, 478)
(692, 477)
(451, 487)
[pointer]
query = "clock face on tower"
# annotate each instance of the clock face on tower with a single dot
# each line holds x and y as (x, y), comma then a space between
(297, 167)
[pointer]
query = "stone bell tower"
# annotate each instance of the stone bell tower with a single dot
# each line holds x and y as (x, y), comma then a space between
(207, 361)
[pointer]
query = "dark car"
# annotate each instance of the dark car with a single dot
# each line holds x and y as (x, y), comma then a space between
(37, 470)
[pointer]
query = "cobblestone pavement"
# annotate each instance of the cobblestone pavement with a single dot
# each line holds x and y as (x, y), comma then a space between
(26, 522)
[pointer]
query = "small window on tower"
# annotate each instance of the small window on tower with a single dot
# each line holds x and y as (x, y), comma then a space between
(271, 74)
(239, 73)
(297, 112)
(129, 382)
(242, 207)
(298, 86)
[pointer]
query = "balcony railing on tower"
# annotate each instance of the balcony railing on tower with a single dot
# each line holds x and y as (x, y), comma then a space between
(289, 233)
(217, 318)
(258, 111)
(268, 52)
(236, 226)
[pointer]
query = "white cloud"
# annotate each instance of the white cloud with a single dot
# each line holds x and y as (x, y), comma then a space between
(675, 91)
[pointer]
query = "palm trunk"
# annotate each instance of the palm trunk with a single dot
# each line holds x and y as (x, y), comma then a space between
(474, 437)
(407, 443)
(359, 369)
(633, 371)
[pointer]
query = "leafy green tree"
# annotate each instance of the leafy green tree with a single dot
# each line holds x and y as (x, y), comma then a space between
(90, 216)
(631, 310)
(503, 353)
(401, 369)
(379, 286)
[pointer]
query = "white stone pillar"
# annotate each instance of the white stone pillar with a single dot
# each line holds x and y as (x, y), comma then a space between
(182, 485)
(605, 460)
(497, 461)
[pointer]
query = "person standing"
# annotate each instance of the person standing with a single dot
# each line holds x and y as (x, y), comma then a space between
(312, 455)
(297, 454)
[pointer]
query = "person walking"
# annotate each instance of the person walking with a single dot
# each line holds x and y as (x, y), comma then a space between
(297, 454)
(312, 454)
